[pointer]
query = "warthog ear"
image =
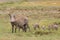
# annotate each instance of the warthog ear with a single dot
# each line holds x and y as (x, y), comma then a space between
(9, 14)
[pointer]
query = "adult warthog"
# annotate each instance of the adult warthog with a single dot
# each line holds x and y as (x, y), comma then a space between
(19, 21)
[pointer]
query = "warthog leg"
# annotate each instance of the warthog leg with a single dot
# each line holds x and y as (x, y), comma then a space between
(12, 23)
(28, 26)
(15, 29)
(25, 27)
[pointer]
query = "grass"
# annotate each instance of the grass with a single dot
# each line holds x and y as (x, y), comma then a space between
(29, 5)
(5, 30)
(40, 16)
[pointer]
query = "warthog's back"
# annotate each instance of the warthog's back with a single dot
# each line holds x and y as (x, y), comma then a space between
(21, 19)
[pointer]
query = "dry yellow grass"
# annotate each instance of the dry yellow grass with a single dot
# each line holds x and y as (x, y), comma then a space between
(5, 28)
(47, 3)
